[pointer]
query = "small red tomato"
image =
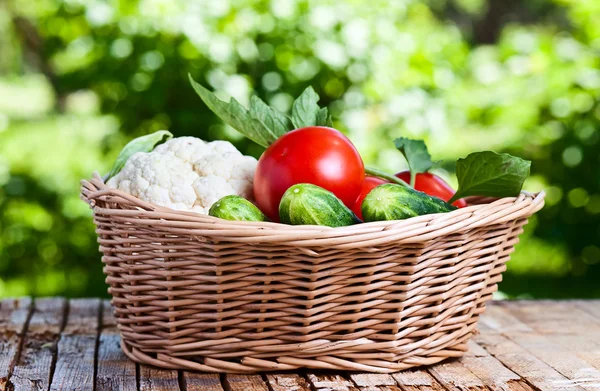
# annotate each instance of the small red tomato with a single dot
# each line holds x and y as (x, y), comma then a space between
(316, 154)
(433, 185)
(369, 184)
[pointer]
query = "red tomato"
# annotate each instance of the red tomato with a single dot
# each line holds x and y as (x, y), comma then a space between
(432, 185)
(318, 155)
(369, 184)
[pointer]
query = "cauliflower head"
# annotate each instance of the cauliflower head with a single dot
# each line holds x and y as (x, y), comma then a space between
(187, 173)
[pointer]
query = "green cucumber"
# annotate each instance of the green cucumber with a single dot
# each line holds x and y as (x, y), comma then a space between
(236, 208)
(312, 205)
(394, 202)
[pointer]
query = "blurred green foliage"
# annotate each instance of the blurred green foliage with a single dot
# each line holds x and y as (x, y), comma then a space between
(78, 79)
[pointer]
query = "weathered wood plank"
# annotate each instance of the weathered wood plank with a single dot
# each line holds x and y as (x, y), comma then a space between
(555, 317)
(193, 381)
(245, 383)
(287, 382)
(156, 379)
(558, 356)
(417, 380)
(475, 349)
(520, 361)
(115, 371)
(77, 347)
(374, 382)
(548, 345)
(34, 368)
(580, 337)
(549, 318)
(592, 307)
(13, 319)
(454, 376)
(330, 382)
(491, 371)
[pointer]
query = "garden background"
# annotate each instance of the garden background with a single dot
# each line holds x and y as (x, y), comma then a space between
(78, 79)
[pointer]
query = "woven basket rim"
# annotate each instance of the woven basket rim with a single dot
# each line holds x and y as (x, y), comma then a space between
(482, 211)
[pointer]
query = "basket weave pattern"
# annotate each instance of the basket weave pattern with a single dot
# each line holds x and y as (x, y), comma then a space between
(195, 292)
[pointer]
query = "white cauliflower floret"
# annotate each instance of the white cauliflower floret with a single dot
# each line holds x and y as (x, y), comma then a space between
(187, 173)
(159, 178)
(236, 169)
(186, 148)
(210, 189)
(223, 147)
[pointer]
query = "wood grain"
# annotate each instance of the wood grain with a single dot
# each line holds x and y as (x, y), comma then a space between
(492, 372)
(156, 379)
(245, 383)
(544, 346)
(34, 368)
(374, 382)
(13, 318)
(115, 371)
(287, 382)
(50, 344)
(581, 338)
(193, 381)
(327, 381)
(417, 380)
(521, 361)
(453, 375)
(549, 317)
(77, 347)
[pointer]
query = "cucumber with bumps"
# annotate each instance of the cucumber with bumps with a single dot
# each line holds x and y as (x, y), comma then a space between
(234, 207)
(306, 204)
(396, 202)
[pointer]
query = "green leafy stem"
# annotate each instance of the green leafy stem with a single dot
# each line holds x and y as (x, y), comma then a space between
(384, 175)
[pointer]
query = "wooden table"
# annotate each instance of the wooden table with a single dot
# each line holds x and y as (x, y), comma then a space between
(55, 344)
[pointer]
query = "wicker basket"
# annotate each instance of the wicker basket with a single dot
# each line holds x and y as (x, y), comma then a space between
(200, 293)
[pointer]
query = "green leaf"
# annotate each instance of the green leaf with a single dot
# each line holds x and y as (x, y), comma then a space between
(490, 174)
(323, 118)
(305, 109)
(236, 116)
(416, 154)
(272, 119)
(141, 144)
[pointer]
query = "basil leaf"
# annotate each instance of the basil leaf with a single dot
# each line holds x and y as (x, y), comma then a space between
(416, 154)
(141, 144)
(305, 109)
(236, 116)
(490, 174)
(323, 118)
(272, 119)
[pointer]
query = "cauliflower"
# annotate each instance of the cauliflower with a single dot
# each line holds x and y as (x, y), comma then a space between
(236, 169)
(186, 148)
(187, 173)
